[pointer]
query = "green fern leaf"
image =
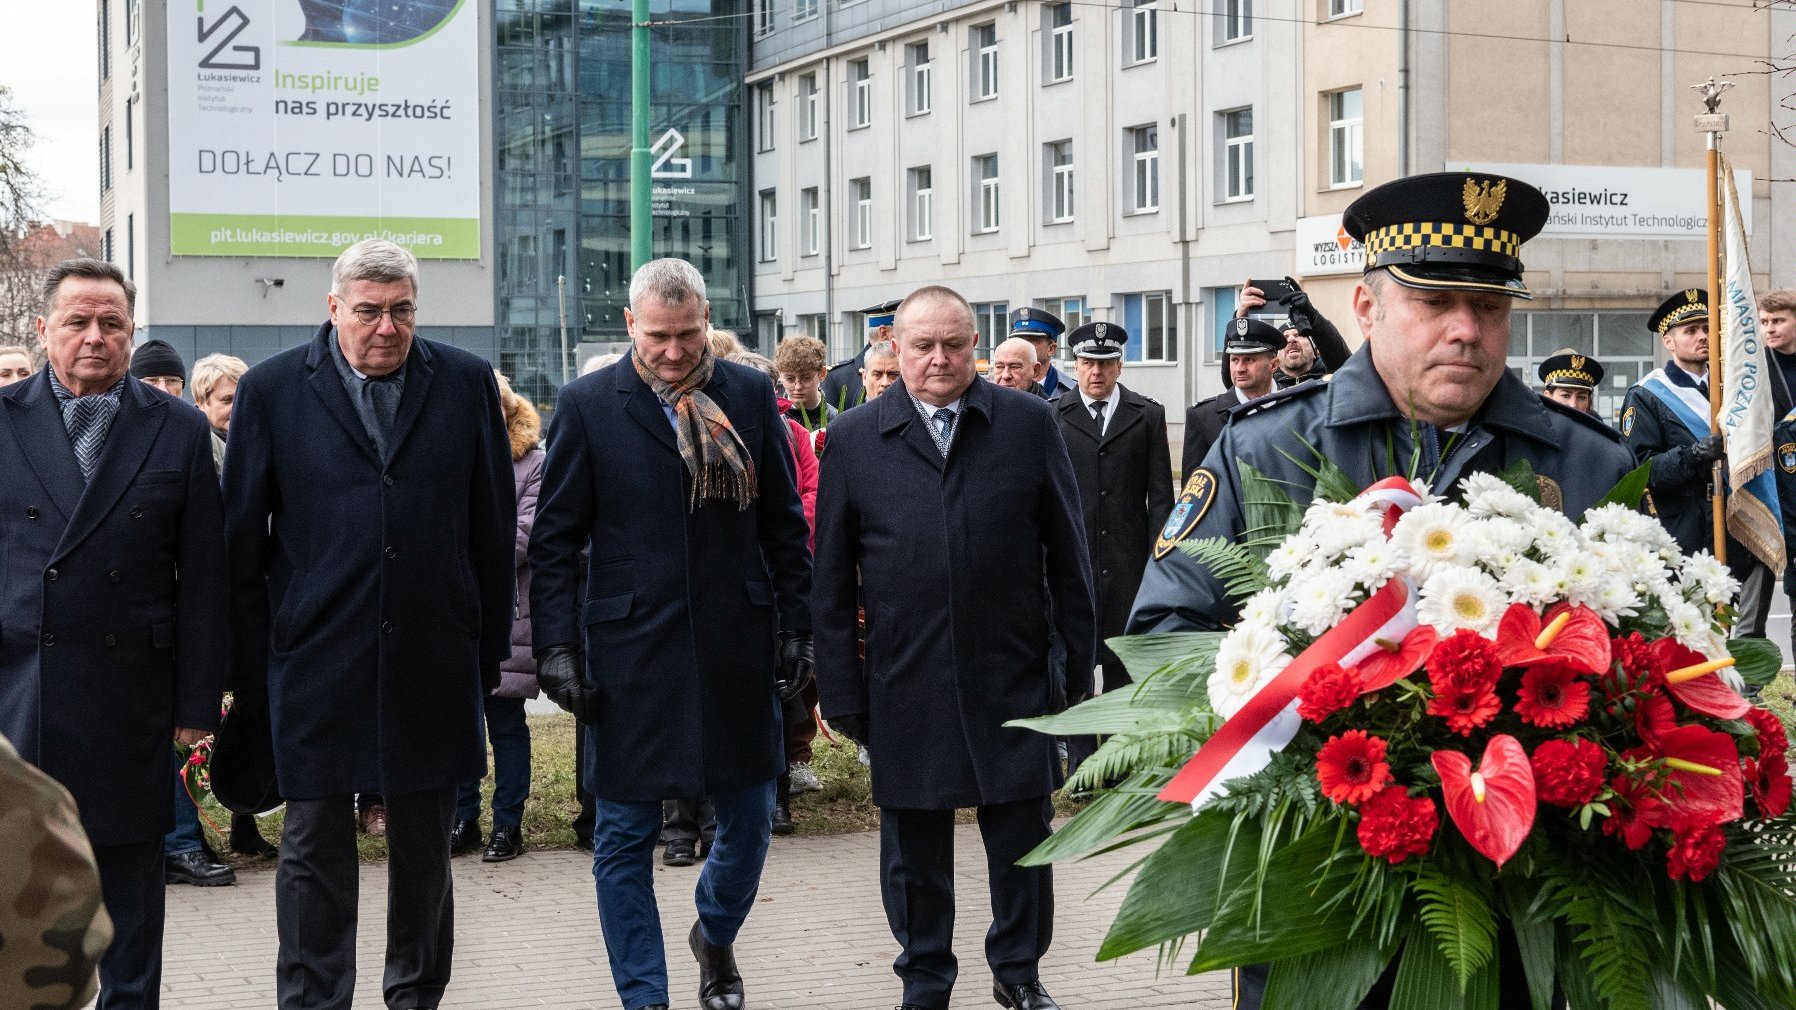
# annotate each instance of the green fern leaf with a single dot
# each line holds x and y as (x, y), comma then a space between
(1241, 571)
(1458, 915)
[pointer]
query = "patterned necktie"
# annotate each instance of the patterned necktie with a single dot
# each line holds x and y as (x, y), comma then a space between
(84, 416)
(944, 428)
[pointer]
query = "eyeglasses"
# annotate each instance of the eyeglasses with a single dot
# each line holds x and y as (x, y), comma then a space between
(401, 314)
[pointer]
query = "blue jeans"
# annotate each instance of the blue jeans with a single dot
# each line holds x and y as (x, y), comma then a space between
(510, 734)
(185, 836)
(623, 861)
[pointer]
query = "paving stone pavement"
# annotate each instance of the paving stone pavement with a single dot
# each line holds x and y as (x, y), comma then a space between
(527, 935)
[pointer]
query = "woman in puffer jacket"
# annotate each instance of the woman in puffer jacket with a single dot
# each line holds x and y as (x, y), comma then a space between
(505, 724)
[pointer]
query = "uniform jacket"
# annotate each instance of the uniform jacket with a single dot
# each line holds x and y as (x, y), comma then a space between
(113, 599)
(372, 599)
(1055, 383)
(1204, 421)
(1349, 421)
(1125, 488)
(517, 675)
(842, 387)
(964, 564)
(681, 606)
(1677, 482)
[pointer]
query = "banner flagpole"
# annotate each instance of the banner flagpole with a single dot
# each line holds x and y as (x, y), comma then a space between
(1714, 124)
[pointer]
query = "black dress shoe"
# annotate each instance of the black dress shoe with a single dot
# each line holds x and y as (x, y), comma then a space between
(464, 837)
(719, 983)
(583, 843)
(679, 852)
(782, 819)
(192, 867)
(506, 844)
(1023, 996)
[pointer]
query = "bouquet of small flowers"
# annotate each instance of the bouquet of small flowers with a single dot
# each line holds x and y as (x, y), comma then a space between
(1446, 732)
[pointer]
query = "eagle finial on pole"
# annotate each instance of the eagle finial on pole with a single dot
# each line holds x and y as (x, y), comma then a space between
(1711, 90)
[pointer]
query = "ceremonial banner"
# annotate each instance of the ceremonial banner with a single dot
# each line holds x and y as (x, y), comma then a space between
(298, 129)
(1747, 411)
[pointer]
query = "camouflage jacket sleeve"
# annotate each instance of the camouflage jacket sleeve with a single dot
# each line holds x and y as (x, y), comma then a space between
(53, 928)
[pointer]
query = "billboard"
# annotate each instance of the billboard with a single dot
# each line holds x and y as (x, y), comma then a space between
(1616, 201)
(298, 127)
(1324, 247)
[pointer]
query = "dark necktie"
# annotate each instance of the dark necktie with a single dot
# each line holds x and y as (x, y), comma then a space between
(85, 416)
(944, 428)
(1097, 414)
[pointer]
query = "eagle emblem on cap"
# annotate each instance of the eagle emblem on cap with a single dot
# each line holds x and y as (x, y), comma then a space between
(1100, 330)
(1241, 327)
(1483, 200)
(1578, 362)
(1692, 294)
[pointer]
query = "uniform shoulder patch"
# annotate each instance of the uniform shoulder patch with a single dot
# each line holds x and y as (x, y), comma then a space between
(1627, 421)
(1199, 492)
(1592, 422)
(1786, 456)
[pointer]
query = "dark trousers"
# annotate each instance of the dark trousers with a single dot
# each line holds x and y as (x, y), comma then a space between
(132, 889)
(1758, 585)
(687, 820)
(510, 736)
(315, 902)
(582, 820)
(916, 850)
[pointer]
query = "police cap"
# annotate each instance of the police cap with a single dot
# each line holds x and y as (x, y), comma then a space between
(1449, 230)
(1686, 306)
(1570, 370)
(881, 314)
(1252, 336)
(1098, 341)
(1032, 323)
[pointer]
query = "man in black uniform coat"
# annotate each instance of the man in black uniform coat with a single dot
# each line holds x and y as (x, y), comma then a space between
(113, 598)
(1117, 440)
(1253, 350)
(1434, 310)
(1665, 420)
(842, 386)
(953, 504)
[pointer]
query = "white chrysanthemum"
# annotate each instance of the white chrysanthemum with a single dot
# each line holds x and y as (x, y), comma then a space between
(1554, 535)
(1430, 538)
(1371, 564)
(1608, 522)
(1268, 606)
(1320, 599)
(1283, 561)
(1328, 513)
(1248, 658)
(1344, 533)
(1455, 598)
(1710, 577)
(1487, 495)
(1689, 624)
(1498, 561)
(1500, 533)
(1530, 582)
(1614, 600)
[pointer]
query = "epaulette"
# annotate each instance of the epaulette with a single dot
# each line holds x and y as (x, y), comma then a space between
(846, 363)
(1298, 391)
(1589, 421)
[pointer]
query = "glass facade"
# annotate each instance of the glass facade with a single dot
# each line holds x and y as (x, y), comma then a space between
(562, 169)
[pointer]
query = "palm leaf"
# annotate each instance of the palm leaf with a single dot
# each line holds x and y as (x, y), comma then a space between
(1180, 886)
(1534, 937)
(1629, 490)
(1457, 912)
(1757, 661)
(1328, 979)
(1268, 515)
(1146, 745)
(1146, 655)
(1300, 921)
(1132, 807)
(1330, 481)
(1613, 937)
(1757, 887)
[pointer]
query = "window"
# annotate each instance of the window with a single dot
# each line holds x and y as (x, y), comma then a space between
(917, 58)
(807, 107)
(860, 83)
(105, 158)
(813, 325)
(1346, 142)
(922, 203)
(1060, 44)
(770, 246)
(763, 17)
(133, 21)
(105, 39)
(106, 250)
(764, 115)
(1144, 141)
(1153, 335)
(992, 320)
(1059, 156)
(130, 246)
(985, 174)
(1144, 31)
(811, 220)
(1620, 339)
(1342, 8)
(130, 136)
(1221, 303)
(862, 189)
(985, 68)
(1073, 311)
(1237, 155)
(804, 10)
(1236, 20)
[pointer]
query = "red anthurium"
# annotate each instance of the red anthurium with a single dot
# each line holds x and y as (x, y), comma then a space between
(1702, 773)
(1581, 641)
(1393, 661)
(1493, 807)
(1707, 693)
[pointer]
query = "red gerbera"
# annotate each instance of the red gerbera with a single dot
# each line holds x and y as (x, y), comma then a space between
(1769, 780)
(1465, 710)
(1351, 767)
(1635, 812)
(1394, 825)
(1568, 773)
(1770, 729)
(1552, 695)
(1695, 851)
(1328, 690)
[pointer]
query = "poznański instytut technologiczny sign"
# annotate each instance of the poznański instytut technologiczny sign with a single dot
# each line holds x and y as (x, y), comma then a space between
(298, 127)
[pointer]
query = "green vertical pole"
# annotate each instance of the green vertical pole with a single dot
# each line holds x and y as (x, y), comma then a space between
(641, 220)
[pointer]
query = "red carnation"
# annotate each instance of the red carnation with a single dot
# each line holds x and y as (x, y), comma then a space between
(1328, 690)
(1568, 773)
(1769, 780)
(1552, 695)
(1351, 767)
(1695, 852)
(1772, 737)
(1394, 825)
(1464, 659)
(1636, 812)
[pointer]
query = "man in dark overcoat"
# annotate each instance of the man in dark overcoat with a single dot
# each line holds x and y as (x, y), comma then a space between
(112, 598)
(1117, 441)
(676, 468)
(370, 515)
(953, 503)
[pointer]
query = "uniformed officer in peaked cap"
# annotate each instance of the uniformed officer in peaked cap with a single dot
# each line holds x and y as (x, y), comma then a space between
(1251, 347)
(1429, 393)
(842, 383)
(1043, 329)
(1571, 378)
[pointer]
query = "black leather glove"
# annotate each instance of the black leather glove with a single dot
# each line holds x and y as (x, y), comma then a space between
(1303, 317)
(558, 673)
(854, 727)
(1707, 450)
(798, 663)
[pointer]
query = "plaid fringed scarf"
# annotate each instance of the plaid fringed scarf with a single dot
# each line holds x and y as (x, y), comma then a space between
(714, 453)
